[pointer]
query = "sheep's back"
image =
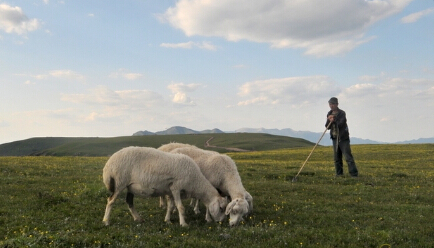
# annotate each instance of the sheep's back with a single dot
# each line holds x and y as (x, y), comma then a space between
(149, 166)
(172, 146)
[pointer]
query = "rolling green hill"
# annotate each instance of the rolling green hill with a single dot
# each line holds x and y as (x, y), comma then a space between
(61, 146)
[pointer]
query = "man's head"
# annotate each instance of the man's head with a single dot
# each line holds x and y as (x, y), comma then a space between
(333, 100)
(333, 103)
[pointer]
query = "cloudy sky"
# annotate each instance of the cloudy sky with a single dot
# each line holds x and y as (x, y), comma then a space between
(111, 68)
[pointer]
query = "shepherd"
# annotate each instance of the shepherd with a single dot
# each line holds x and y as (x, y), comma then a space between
(340, 136)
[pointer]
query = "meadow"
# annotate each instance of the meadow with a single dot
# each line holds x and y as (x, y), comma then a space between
(60, 202)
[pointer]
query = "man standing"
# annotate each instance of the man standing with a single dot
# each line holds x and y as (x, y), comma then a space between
(341, 138)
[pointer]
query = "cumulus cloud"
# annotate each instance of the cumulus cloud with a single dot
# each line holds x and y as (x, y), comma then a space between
(376, 109)
(402, 91)
(322, 28)
(13, 20)
(189, 45)
(414, 17)
(179, 91)
(295, 91)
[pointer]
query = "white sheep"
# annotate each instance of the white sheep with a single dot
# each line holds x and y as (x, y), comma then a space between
(173, 145)
(148, 172)
(222, 172)
(167, 148)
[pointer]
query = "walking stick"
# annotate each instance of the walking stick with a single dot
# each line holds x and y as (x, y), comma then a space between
(295, 178)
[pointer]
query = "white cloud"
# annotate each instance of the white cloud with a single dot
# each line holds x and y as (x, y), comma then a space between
(123, 99)
(127, 75)
(185, 45)
(369, 78)
(13, 20)
(189, 45)
(321, 28)
(104, 104)
(132, 76)
(414, 17)
(179, 92)
(295, 91)
(4, 123)
(389, 110)
(54, 74)
(66, 74)
(392, 90)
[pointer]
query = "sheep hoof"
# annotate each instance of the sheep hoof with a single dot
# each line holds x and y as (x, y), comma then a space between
(106, 222)
(184, 225)
(140, 220)
(197, 211)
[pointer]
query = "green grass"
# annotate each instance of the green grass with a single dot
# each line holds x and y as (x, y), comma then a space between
(60, 202)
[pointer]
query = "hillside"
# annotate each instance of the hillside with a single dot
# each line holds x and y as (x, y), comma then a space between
(107, 146)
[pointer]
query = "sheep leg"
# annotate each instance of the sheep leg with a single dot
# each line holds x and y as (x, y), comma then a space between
(162, 204)
(110, 200)
(173, 209)
(169, 210)
(178, 203)
(196, 207)
(192, 201)
(133, 211)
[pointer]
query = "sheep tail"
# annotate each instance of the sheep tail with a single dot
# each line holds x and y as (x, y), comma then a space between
(112, 185)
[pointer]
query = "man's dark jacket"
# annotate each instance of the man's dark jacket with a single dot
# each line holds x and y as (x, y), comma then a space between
(341, 121)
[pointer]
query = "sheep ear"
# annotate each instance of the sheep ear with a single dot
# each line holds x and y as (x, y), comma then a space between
(223, 202)
(229, 207)
(213, 208)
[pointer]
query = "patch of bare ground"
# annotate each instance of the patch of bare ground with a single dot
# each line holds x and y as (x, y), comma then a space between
(233, 149)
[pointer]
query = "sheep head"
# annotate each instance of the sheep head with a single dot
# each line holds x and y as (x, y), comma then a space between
(217, 208)
(236, 209)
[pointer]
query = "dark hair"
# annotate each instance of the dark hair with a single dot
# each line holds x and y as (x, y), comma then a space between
(333, 100)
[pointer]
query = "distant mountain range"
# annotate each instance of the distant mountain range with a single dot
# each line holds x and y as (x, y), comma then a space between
(177, 130)
(307, 135)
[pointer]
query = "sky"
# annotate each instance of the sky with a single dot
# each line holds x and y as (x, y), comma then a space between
(80, 68)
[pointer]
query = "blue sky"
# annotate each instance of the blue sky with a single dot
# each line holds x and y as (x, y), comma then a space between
(111, 68)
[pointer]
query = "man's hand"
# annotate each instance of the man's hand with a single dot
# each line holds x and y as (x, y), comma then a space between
(331, 118)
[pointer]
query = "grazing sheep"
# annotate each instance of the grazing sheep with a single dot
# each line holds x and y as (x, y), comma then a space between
(173, 145)
(167, 148)
(222, 173)
(148, 172)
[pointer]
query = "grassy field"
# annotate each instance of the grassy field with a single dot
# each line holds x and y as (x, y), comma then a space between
(60, 202)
